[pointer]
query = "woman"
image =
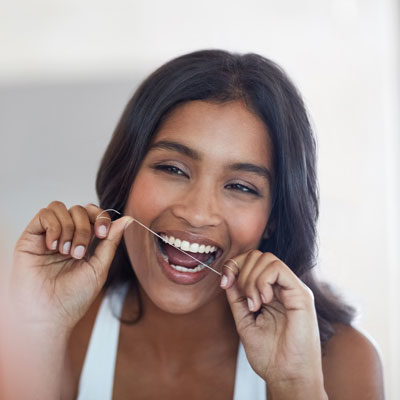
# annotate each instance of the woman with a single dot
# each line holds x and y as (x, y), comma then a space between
(214, 153)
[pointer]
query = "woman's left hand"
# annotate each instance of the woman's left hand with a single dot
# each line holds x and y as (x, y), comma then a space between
(276, 320)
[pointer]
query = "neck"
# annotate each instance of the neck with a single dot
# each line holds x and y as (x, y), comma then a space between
(206, 333)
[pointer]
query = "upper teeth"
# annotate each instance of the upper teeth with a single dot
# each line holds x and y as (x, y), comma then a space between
(187, 246)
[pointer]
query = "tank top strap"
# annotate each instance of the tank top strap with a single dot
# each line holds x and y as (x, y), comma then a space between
(97, 377)
(248, 385)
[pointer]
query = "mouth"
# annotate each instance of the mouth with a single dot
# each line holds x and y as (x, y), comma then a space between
(189, 267)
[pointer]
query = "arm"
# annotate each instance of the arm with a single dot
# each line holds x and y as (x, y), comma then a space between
(33, 362)
(51, 287)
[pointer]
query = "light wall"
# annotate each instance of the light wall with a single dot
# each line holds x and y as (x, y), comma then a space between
(67, 69)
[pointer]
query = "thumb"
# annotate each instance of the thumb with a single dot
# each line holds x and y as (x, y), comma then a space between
(242, 315)
(105, 250)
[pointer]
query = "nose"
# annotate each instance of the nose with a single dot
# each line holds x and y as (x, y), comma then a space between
(199, 207)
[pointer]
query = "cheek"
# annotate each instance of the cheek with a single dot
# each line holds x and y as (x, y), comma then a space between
(146, 199)
(143, 204)
(247, 228)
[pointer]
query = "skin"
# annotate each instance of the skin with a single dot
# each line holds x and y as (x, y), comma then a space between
(204, 196)
(199, 197)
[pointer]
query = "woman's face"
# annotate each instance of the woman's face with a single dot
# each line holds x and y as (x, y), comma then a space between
(205, 186)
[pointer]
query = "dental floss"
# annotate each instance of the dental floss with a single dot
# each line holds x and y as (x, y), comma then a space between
(156, 234)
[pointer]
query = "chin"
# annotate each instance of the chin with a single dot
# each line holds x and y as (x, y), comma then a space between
(176, 304)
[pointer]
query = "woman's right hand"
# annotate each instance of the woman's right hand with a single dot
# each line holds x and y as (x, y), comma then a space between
(52, 283)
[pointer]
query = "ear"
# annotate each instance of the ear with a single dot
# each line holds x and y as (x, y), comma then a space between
(269, 229)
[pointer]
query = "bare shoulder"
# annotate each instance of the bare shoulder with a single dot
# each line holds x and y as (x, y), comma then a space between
(352, 366)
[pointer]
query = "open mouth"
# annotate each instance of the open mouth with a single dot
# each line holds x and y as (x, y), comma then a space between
(170, 249)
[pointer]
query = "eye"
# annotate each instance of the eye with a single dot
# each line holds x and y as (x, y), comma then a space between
(170, 169)
(242, 188)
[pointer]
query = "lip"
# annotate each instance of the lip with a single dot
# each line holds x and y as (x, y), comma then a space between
(179, 277)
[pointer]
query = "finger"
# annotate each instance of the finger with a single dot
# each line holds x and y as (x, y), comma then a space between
(268, 290)
(253, 298)
(83, 231)
(247, 266)
(285, 286)
(251, 284)
(230, 271)
(100, 219)
(46, 222)
(242, 304)
(105, 251)
(67, 226)
(239, 306)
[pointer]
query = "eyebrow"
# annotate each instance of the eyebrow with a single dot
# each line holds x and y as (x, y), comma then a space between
(187, 151)
(178, 147)
(256, 169)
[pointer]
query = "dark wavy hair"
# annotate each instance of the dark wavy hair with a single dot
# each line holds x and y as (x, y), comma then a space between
(219, 76)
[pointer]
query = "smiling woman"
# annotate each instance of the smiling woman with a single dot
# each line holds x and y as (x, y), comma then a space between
(197, 191)
(214, 153)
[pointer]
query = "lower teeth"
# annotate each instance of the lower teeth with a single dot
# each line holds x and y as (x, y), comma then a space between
(184, 269)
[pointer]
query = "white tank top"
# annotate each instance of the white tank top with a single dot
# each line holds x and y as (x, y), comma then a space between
(97, 377)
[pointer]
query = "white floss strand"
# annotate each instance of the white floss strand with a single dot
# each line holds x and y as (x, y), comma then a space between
(156, 234)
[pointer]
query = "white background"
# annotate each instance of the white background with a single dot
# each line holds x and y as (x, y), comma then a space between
(67, 68)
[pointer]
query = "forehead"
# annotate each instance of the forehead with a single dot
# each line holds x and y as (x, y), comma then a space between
(219, 131)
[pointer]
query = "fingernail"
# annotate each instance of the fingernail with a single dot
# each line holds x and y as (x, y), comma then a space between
(79, 251)
(224, 280)
(66, 247)
(54, 245)
(263, 299)
(102, 230)
(250, 304)
(128, 223)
